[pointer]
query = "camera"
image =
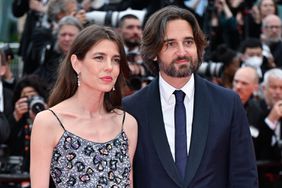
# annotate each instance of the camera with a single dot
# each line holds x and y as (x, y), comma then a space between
(211, 69)
(111, 18)
(36, 104)
(11, 165)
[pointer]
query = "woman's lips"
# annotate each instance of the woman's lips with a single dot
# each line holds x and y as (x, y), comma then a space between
(107, 78)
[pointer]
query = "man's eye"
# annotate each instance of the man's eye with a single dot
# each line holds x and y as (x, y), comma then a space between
(188, 42)
(171, 44)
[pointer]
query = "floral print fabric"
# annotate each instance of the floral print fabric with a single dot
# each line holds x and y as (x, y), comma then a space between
(77, 162)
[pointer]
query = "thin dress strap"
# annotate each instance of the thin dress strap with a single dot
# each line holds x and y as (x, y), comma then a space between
(123, 120)
(57, 118)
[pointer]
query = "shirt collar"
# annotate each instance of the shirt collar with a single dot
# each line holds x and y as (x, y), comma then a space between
(166, 90)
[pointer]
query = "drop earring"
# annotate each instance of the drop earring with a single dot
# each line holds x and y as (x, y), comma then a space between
(78, 80)
(114, 88)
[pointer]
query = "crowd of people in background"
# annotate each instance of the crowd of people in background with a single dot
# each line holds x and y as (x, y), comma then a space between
(244, 54)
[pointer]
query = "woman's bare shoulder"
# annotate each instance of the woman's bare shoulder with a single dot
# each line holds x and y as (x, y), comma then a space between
(46, 119)
(130, 123)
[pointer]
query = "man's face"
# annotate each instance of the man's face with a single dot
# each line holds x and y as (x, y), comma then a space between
(66, 36)
(178, 56)
(267, 7)
(272, 29)
(273, 91)
(245, 83)
(131, 32)
(251, 52)
(253, 56)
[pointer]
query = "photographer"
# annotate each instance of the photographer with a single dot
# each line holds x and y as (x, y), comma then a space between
(28, 100)
(221, 66)
(130, 29)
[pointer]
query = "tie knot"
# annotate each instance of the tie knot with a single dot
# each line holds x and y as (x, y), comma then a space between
(179, 95)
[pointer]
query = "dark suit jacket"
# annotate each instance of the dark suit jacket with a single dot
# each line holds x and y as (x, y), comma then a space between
(221, 153)
(5, 127)
(264, 148)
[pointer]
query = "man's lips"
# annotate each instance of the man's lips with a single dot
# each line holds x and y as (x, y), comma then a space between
(182, 61)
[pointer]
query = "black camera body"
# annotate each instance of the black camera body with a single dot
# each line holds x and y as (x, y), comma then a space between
(211, 69)
(111, 18)
(36, 104)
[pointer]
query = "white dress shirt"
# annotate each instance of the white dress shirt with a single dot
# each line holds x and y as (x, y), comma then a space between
(168, 104)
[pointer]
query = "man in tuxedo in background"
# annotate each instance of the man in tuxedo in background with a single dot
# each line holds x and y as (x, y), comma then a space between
(246, 84)
(268, 145)
(191, 133)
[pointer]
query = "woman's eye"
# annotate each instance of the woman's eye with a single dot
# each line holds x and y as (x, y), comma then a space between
(98, 58)
(117, 60)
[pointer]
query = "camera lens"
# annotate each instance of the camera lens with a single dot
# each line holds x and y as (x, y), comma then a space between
(211, 69)
(36, 104)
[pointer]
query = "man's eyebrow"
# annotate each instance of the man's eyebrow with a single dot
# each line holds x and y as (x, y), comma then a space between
(168, 40)
(186, 38)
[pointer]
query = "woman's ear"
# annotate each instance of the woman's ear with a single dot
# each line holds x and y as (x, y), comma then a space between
(76, 65)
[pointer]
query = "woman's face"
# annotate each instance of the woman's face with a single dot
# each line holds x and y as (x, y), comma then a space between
(267, 7)
(100, 67)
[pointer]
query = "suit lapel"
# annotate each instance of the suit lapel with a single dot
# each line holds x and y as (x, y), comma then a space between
(158, 133)
(199, 129)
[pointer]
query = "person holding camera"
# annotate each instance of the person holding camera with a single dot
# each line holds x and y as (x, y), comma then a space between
(130, 28)
(28, 100)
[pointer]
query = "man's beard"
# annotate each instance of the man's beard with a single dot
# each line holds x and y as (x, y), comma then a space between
(273, 40)
(184, 70)
(132, 43)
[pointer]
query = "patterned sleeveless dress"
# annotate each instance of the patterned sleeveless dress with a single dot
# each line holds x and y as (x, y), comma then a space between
(80, 163)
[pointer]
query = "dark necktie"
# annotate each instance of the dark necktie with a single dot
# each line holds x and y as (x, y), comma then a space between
(180, 132)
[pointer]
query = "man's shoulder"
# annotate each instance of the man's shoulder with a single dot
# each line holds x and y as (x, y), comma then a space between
(204, 85)
(137, 96)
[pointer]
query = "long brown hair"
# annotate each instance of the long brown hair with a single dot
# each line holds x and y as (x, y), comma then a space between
(66, 84)
(154, 33)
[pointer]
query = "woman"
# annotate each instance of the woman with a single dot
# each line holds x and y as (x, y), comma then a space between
(84, 139)
(259, 11)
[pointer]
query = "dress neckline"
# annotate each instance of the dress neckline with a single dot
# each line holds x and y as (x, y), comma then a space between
(91, 141)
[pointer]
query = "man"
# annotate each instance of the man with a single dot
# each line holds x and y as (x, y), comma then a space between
(68, 29)
(130, 29)
(269, 141)
(254, 56)
(207, 142)
(246, 83)
(271, 37)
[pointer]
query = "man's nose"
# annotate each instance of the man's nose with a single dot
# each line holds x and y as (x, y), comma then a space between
(181, 50)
